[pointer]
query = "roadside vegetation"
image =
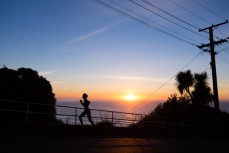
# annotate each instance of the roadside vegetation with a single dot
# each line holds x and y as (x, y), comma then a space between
(26, 85)
(193, 104)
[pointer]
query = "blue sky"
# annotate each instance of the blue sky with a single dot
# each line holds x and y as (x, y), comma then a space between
(82, 46)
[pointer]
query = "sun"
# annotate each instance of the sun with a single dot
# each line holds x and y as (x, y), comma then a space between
(130, 97)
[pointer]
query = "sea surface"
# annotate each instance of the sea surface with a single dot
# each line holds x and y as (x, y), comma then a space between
(70, 109)
(113, 106)
(224, 106)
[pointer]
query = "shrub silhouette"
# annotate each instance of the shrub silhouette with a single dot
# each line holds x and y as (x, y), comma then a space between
(25, 85)
(105, 123)
(178, 109)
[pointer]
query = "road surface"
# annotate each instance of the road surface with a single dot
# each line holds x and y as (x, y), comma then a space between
(75, 144)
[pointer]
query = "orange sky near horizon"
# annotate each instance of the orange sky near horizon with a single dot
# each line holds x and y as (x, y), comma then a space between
(109, 94)
(121, 96)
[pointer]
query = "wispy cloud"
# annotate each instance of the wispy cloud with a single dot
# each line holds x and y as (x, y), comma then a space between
(46, 73)
(137, 78)
(56, 82)
(123, 77)
(88, 35)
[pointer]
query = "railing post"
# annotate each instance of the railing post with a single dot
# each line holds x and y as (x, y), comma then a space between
(75, 115)
(27, 113)
(112, 119)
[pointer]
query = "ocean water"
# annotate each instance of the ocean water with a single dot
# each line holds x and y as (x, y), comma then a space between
(143, 108)
(111, 109)
(224, 106)
(70, 114)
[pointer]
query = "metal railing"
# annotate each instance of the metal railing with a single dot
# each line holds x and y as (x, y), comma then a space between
(67, 114)
(30, 112)
(116, 118)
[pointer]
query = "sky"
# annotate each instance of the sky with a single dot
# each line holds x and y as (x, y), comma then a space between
(81, 46)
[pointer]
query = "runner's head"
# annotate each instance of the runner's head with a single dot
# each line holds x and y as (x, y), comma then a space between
(85, 96)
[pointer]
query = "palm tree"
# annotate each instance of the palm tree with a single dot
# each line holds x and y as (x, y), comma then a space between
(185, 81)
(202, 92)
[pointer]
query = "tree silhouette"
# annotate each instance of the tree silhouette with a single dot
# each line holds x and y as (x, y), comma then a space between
(185, 81)
(202, 92)
(196, 86)
(25, 85)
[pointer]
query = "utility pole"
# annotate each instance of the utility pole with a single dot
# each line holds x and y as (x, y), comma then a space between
(211, 45)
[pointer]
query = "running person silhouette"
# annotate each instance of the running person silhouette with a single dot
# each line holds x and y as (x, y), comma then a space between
(86, 111)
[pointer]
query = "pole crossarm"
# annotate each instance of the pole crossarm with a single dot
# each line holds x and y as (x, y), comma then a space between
(216, 25)
(214, 42)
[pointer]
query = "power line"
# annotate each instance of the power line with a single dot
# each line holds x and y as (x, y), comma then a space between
(223, 50)
(167, 33)
(152, 21)
(169, 14)
(142, 22)
(207, 67)
(189, 11)
(208, 9)
(168, 19)
(221, 33)
(195, 16)
(223, 60)
(164, 83)
(203, 19)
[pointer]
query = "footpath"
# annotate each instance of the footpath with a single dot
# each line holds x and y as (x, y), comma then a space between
(88, 139)
(100, 131)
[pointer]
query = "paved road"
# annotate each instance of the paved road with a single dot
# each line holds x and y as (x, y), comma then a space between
(73, 144)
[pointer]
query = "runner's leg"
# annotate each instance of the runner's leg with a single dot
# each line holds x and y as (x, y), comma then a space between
(81, 115)
(89, 117)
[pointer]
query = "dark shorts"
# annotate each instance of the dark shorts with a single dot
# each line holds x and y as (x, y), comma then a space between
(86, 112)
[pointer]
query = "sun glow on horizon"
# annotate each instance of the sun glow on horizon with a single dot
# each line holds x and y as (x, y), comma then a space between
(130, 97)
